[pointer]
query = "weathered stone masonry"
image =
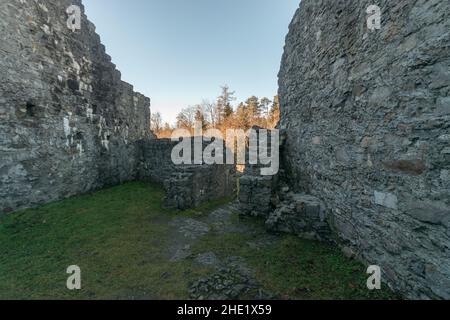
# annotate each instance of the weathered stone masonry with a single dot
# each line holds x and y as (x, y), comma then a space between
(68, 124)
(367, 122)
(186, 186)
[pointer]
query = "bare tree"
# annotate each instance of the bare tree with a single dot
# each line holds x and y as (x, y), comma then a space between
(200, 117)
(186, 118)
(166, 131)
(156, 122)
(210, 111)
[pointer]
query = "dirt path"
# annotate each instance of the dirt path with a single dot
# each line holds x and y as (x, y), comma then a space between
(231, 276)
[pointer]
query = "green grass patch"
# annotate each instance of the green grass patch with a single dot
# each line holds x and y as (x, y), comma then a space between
(120, 236)
(293, 268)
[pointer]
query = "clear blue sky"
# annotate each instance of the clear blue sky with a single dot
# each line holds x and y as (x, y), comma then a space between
(179, 52)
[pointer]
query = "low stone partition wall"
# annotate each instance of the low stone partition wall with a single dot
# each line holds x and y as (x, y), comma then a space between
(155, 160)
(257, 192)
(186, 186)
(256, 195)
(285, 211)
(300, 214)
(192, 186)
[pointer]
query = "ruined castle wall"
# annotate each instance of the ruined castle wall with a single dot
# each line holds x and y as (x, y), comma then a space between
(187, 186)
(68, 124)
(367, 117)
(156, 161)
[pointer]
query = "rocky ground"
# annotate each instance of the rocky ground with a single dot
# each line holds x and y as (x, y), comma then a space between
(231, 277)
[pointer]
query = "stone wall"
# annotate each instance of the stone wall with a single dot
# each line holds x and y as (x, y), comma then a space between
(367, 118)
(191, 186)
(257, 193)
(271, 198)
(68, 124)
(186, 186)
(155, 162)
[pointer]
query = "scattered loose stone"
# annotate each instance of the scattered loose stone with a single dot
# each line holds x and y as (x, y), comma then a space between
(182, 253)
(190, 228)
(225, 284)
(208, 259)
